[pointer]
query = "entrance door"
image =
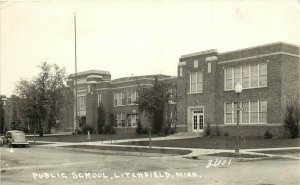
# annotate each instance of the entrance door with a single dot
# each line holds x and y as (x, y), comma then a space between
(198, 121)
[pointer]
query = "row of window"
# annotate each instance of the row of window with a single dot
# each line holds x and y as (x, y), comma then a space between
(250, 76)
(121, 121)
(251, 112)
(119, 98)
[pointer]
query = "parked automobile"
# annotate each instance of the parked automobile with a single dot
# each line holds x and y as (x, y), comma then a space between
(15, 138)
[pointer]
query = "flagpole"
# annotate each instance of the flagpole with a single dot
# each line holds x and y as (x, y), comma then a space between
(76, 104)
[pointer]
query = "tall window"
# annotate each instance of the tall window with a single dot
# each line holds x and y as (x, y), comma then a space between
(81, 102)
(119, 120)
(119, 99)
(132, 120)
(131, 97)
(263, 111)
(180, 71)
(196, 82)
(99, 101)
(237, 75)
(254, 76)
(228, 79)
(228, 112)
(249, 76)
(263, 75)
(245, 112)
(195, 63)
(252, 112)
(246, 77)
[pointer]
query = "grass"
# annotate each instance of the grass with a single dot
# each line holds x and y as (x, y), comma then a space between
(83, 137)
(221, 142)
(282, 152)
(132, 149)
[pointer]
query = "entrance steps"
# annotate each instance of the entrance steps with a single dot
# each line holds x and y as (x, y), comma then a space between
(191, 134)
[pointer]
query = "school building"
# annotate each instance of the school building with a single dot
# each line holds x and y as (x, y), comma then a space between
(269, 75)
(203, 92)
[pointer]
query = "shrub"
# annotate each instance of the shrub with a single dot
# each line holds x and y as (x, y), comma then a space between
(108, 129)
(268, 135)
(226, 134)
(207, 129)
(87, 128)
(291, 120)
(218, 133)
(139, 129)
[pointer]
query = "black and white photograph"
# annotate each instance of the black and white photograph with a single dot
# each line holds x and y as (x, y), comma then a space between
(150, 92)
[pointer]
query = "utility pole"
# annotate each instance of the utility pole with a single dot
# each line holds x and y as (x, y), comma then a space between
(76, 106)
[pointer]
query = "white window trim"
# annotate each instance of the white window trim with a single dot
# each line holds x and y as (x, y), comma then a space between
(116, 97)
(249, 111)
(241, 67)
(196, 82)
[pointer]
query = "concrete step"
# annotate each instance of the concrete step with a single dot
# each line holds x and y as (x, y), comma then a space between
(200, 134)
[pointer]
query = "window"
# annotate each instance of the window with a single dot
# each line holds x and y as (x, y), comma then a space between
(195, 63)
(119, 120)
(228, 79)
(246, 77)
(262, 75)
(99, 101)
(81, 102)
(249, 76)
(180, 71)
(209, 67)
(254, 76)
(131, 97)
(196, 81)
(245, 112)
(228, 112)
(252, 112)
(119, 99)
(132, 120)
(237, 75)
(263, 111)
(172, 96)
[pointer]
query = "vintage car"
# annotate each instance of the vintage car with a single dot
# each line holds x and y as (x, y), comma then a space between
(15, 138)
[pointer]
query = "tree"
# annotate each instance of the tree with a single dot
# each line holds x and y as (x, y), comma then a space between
(101, 119)
(153, 100)
(42, 98)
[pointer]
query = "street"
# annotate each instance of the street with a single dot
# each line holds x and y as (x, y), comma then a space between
(45, 165)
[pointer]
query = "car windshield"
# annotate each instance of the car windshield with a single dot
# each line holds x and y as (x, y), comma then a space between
(19, 136)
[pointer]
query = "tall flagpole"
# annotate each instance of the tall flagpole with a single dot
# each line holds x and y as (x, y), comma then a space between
(76, 104)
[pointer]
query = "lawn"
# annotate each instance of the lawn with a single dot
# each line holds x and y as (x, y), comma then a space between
(221, 142)
(295, 152)
(133, 149)
(84, 138)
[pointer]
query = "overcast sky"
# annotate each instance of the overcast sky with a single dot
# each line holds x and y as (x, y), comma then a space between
(134, 37)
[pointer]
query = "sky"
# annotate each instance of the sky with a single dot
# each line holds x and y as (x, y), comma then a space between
(133, 37)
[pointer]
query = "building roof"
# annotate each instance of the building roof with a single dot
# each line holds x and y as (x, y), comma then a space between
(130, 78)
(90, 72)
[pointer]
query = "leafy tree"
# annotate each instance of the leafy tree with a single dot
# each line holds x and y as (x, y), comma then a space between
(152, 100)
(101, 118)
(42, 98)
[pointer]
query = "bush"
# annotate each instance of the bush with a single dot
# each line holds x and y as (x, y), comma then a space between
(87, 128)
(291, 120)
(226, 134)
(26, 130)
(108, 129)
(268, 135)
(139, 129)
(207, 129)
